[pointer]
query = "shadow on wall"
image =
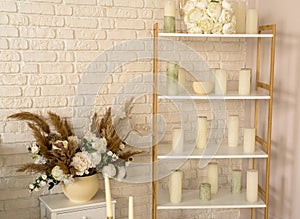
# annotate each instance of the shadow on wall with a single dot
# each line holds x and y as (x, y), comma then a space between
(285, 175)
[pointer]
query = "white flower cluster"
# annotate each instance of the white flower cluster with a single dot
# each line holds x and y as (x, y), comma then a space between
(209, 17)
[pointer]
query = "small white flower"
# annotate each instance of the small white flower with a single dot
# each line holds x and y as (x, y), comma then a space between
(115, 157)
(57, 173)
(35, 149)
(39, 159)
(122, 146)
(36, 189)
(44, 176)
(37, 181)
(109, 153)
(43, 183)
(31, 186)
(109, 170)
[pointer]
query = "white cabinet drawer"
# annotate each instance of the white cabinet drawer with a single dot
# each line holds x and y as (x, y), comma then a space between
(97, 213)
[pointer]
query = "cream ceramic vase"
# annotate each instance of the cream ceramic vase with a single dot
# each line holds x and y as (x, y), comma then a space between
(83, 189)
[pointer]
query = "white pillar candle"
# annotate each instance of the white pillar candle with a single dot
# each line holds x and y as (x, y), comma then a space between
(109, 212)
(249, 140)
(130, 208)
(172, 79)
(177, 140)
(245, 81)
(252, 185)
(213, 177)
(251, 21)
(170, 8)
(201, 141)
(220, 82)
(175, 186)
(239, 8)
(233, 131)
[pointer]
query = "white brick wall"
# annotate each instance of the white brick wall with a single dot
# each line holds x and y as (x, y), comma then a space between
(46, 46)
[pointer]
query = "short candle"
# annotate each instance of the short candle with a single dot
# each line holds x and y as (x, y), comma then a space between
(252, 185)
(220, 82)
(249, 140)
(205, 191)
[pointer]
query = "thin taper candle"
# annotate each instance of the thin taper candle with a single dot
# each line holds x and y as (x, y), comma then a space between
(130, 208)
(109, 213)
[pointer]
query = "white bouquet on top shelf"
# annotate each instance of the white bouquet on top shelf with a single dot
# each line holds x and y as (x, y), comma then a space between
(209, 17)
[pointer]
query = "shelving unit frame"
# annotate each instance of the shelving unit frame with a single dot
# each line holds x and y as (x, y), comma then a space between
(263, 91)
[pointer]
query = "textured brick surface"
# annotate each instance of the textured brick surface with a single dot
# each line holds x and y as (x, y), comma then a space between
(47, 47)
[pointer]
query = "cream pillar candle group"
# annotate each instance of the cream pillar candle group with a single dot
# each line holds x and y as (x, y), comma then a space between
(239, 8)
(177, 140)
(130, 208)
(213, 177)
(175, 186)
(233, 131)
(251, 21)
(249, 140)
(201, 140)
(245, 81)
(109, 213)
(172, 79)
(236, 181)
(169, 16)
(252, 185)
(220, 82)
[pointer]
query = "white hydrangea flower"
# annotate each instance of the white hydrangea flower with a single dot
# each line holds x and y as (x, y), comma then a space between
(206, 24)
(226, 5)
(109, 170)
(95, 158)
(99, 144)
(229, 28)
(218, 28)
(81, 162)
(214, 10)
(57, 173)
(201, 4)
(226, 16)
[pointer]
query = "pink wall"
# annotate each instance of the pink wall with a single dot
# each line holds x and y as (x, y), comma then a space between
(285, 162)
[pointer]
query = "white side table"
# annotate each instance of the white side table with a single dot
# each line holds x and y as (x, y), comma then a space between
(59, 207)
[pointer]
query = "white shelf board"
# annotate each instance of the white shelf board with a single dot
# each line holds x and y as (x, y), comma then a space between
(216, 152)
(216, 35)
(232, 95)
(223, 199)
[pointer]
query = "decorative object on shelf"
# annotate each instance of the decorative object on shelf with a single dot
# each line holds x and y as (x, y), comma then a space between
(201, 140)
(109, 212)
(251, 21)
(252, 185)
(169, 17)
(245, 81)
(236, 181)
(249, 140)
(130, 208)
(82, 189)
(172, 78)
(205, 192)
(175, 186)
(181, 4)
(233, 130)
(239, 9)
(203, 87)
(209, 17)
(59, 156)
(220, 82)
(181, 77)
(177, 140)
(213, 176)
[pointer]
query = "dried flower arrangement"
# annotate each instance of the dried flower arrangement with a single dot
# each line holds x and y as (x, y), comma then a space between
(60, 156)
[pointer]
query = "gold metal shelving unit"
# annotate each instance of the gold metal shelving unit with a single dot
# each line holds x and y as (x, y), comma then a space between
(268, 31)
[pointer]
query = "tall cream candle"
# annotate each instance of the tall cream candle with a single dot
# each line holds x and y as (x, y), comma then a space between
(109, 212)
(252, 185)
(249, 140)
(170, 8)
(220, 82)
(177, 140)
(252, 21)
(213, 176)
(239, 8)
(201, 140)
(130, 208)
(175, 186)
(169, 17)
(233, 131)
(245, 81)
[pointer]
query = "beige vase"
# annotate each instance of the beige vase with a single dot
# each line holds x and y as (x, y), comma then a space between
(83, 189)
